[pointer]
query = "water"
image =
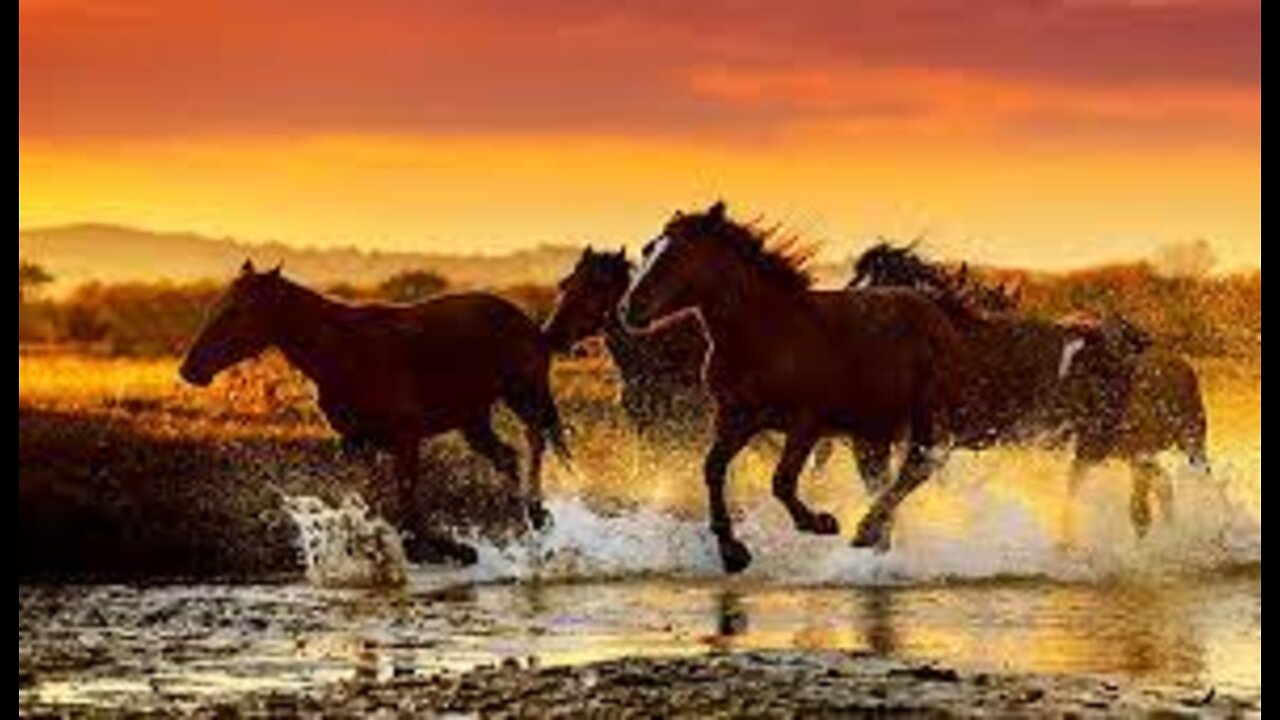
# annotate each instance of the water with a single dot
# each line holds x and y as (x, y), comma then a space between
(980, 577)
(990, 588)
(111, 646)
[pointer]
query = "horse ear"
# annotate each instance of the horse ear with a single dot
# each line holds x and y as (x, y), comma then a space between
(247, 268)
(717, 211)
(622, 252)
(275, 271)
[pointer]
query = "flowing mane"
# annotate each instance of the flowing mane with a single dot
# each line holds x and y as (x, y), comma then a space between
(779, 257)
(956, 290)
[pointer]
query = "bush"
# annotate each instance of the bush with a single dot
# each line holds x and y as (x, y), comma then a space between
(137, 318)
(411, 286)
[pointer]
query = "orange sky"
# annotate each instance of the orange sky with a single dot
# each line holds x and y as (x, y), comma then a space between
(1032, 132)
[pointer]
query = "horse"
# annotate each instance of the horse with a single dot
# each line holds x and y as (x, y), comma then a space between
(877, 364)
(661, 372)
(389, 376)
(1096, 381)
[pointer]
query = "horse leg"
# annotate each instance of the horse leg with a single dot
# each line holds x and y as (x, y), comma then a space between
(1147, 476)
(873, 466)
(873, 463)
(534, 510)
(485, 442)
(786, 475)
(421, 543)
(537, 410)
(873, 530)
(1080, 467)
(732, 435)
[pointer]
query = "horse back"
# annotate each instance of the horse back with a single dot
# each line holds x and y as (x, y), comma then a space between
(1166, 407)
(443, 358)
(867, 361)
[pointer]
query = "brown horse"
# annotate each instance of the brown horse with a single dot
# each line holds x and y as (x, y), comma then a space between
(661, 372)
(876, 365)
(390, 375)
(1160, 408)
(1095, 382)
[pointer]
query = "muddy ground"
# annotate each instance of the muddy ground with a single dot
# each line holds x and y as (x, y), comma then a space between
(756, 685)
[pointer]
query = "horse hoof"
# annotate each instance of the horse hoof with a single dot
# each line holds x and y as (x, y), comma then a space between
(871, 537)
(464, 555)
(735, 556)
(438, 550)
(539, 518)
(823, 524)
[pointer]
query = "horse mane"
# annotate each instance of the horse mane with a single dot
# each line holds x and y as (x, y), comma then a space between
(780, 257)
(611, 262)
(956, 290)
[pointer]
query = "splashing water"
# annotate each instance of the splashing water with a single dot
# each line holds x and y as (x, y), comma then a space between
(991, 516)
(346, 545)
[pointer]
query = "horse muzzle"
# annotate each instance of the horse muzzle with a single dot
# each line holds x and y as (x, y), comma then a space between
(194, 376)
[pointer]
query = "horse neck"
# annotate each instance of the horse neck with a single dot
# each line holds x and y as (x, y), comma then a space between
(312, 335)
(624, 348)
(733, 311)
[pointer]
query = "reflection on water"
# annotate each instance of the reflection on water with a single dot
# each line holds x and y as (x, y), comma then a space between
(115, 645)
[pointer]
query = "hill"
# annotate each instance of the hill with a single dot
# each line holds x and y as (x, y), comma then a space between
(75, 254)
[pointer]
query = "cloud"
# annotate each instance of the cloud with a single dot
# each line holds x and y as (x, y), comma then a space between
(139, 68)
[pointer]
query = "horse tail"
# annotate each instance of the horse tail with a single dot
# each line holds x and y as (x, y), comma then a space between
(529, 395)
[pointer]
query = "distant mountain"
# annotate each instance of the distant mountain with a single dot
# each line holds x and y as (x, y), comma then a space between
(111, 253)
(78, 253)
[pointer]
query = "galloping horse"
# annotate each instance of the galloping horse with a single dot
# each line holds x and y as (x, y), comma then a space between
(877, 365)
(661, 371)
(390, 375)
(1097, 383)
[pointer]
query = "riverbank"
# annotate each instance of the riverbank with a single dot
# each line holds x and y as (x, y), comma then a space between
(755, 684)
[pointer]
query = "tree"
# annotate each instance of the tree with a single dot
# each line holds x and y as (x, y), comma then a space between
(31, 278)
(412, 286)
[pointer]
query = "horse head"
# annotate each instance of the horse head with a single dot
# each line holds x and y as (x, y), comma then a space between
(706, 257)
(241, 325)
(588, 297)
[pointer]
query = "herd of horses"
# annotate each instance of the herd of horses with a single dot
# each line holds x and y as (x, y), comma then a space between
(719, 319)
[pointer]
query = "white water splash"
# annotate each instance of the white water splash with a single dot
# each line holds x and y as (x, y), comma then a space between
(346, 545)
(975, 523)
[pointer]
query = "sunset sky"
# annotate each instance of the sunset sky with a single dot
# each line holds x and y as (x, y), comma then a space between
(1049, 133)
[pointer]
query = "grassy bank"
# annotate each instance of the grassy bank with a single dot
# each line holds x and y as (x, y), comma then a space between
(124, 473)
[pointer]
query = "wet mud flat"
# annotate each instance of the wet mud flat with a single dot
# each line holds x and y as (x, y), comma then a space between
(774, 684)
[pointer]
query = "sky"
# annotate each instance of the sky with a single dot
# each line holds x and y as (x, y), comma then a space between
(1042, 133)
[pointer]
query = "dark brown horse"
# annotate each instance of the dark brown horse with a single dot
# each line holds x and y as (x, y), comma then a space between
(1095, 382)
(661, 372)
(390, 375)
(877, 365)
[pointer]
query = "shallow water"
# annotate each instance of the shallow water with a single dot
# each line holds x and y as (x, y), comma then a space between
(981, 576)
(977, 579)
(110, 646)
